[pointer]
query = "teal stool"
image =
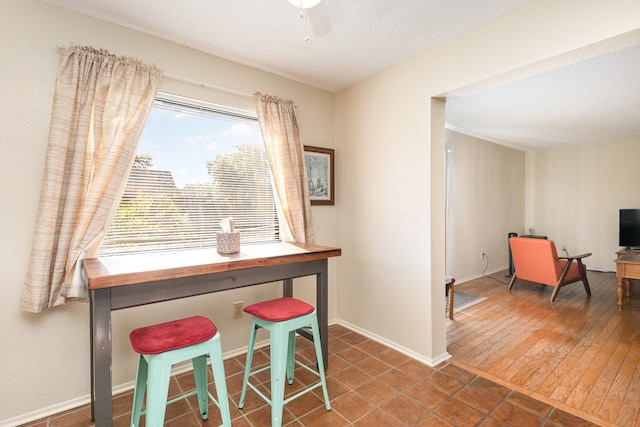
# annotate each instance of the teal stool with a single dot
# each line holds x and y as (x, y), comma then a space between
(163, 345)
(282, 317)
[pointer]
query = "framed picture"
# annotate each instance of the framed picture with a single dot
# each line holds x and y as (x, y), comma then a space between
(320, 175)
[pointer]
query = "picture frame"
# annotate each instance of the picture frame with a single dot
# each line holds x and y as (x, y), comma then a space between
(319, 163)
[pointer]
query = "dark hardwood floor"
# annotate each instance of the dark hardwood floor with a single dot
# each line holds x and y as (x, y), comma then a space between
(578, 353)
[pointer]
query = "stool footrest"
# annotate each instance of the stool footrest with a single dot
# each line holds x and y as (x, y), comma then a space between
(191, 393)
(184, 396)
(316, 373)
(262, 395)
(214, 400)
(257, 371)
(305, 391)
(285, 401)
(308, 389)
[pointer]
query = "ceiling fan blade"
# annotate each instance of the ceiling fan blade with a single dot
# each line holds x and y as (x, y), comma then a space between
(319, 20)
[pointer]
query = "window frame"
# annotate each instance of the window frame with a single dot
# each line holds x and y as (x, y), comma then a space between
(271, 218)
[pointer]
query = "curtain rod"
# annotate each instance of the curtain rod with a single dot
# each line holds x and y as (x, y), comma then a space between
(207, 85)
(190, 81)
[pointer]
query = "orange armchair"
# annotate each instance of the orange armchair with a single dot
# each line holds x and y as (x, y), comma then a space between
(536, 260)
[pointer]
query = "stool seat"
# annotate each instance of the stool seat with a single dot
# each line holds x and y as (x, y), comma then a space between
(279, 310)
(165, 344)
(172, 335)
(282, 317)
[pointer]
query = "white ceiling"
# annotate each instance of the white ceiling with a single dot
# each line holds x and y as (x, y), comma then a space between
(593, 100)
(351, 40)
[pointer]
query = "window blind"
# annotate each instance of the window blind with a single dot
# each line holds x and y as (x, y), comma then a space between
(221, 153)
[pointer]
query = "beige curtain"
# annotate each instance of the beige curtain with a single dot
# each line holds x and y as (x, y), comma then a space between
(279, 125)
(100, 105)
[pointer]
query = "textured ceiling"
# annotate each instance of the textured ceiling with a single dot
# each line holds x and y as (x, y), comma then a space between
(358, 37)
(349, 40)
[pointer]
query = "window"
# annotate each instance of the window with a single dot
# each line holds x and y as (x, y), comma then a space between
(197, 163)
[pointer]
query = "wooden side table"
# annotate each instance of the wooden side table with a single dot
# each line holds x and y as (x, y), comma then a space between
(627, 267)
(449, 281)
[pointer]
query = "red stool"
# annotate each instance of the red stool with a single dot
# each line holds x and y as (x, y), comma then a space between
(163, 345)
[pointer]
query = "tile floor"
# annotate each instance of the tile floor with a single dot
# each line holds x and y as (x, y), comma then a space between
(369, 385)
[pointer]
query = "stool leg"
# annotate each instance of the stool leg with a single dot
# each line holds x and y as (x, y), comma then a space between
(138, 391)
(451, 297)
(318, 346)
(157, 390)
(220, 380)
(247, 368)
(291, 356)
(200, 375)
(278, 342)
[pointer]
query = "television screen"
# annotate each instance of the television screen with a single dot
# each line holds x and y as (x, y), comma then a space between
(629, 235)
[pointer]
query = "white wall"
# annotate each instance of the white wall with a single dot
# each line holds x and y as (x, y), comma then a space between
(576, 193)
(485, 202)
(393, 263)
(44, 359)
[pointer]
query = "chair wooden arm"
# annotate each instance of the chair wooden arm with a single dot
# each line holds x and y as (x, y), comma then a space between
(575, 256)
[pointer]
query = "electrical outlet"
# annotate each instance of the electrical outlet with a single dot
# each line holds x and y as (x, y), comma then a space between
(482, 255)
(237, 309)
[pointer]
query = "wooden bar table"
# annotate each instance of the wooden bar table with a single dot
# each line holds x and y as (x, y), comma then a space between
(128, 281)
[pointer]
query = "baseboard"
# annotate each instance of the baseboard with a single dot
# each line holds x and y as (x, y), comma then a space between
(477, 276)
(121, 388)
(45, 412)
(432, 362)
